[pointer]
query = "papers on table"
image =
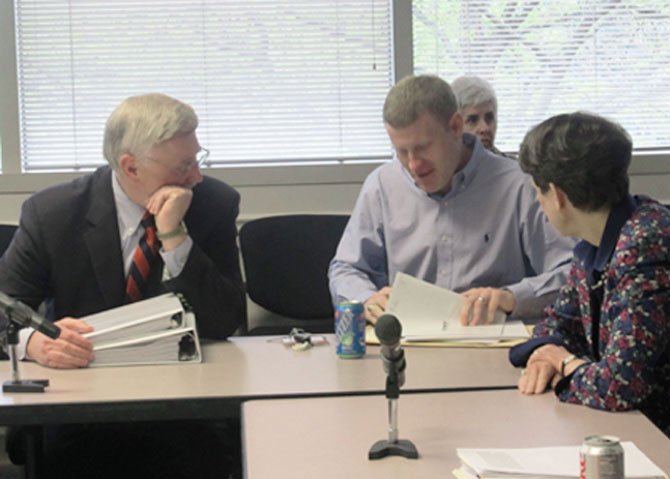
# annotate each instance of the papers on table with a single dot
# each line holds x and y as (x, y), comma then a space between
(545, 463)
(153, 331)
(428, 312)
(371, 338)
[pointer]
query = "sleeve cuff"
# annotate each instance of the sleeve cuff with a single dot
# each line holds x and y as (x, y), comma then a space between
(521, 292)
(175, 260)
(519, 354)
(22, 347)
(564, 382)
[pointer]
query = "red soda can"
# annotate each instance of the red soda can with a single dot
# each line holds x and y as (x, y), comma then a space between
(350, 329)
(601, 457)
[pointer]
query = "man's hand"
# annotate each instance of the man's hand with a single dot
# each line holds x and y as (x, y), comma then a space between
(169, 204)
(70, 350)
(375, 306)
(481, 304)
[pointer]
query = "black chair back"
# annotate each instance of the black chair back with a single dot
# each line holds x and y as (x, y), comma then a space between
(6, 235)
(286, 262)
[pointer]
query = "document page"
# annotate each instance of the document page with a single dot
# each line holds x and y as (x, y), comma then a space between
(430, 312)
(549, 462)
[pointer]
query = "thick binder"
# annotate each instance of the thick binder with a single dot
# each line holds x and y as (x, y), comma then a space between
(153, 331)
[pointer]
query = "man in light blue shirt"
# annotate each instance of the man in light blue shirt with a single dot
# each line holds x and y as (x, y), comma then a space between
(447, 211)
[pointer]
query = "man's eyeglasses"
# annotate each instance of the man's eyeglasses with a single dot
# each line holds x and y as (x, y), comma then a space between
(185, 168)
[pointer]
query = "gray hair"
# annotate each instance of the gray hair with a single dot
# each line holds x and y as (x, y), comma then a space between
(140, 122)
(414, 95)
(473, 91)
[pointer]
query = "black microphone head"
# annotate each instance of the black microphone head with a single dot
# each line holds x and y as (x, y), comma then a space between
(388, 329)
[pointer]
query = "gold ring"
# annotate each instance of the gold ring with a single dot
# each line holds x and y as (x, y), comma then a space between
(481, 299)
(523, 371)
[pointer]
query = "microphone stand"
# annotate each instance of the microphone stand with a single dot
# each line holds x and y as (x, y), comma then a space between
(16, 384)
(393, 446)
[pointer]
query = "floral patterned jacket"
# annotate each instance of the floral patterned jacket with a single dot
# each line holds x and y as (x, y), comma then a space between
(614, 312)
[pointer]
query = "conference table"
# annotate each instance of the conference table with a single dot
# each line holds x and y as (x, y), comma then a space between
(234, 371)
(331, 437)
(313, 393)
(237, 370)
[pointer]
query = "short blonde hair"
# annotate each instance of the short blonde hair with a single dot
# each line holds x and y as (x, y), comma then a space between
(142, 121)
(414, 95)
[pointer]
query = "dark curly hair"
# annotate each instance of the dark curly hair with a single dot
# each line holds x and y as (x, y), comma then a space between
(585, 155)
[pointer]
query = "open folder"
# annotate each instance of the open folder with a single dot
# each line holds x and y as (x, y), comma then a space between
(153, 331)
(431, 313)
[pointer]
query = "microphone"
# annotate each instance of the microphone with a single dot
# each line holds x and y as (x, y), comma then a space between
(388, 330)
(23, 315)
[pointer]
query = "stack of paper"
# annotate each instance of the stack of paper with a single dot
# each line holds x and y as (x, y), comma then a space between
(545, 463)
(429, 313)
(153, 331)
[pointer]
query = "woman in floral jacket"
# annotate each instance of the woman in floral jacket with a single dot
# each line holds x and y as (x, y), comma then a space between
(606, 341)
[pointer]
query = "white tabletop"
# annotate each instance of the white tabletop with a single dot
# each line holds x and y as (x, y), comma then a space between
(331, 437)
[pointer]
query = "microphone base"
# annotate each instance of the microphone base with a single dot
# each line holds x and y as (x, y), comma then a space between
(25, 386)
(402, 447)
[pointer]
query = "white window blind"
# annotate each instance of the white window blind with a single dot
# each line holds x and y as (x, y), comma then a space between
(545, 57)
(273, 82)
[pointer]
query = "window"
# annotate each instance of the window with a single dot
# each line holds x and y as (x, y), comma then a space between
(303, 82)
(545, 57)
(274, 83)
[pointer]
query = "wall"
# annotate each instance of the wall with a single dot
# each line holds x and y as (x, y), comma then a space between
(328, 198)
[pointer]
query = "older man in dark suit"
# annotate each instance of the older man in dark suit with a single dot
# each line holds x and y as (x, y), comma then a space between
(146, 224)
(76, 241)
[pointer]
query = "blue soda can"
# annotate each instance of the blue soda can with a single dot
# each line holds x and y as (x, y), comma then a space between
(350, 329)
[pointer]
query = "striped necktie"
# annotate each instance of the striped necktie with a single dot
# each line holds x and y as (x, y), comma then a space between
(144, 257)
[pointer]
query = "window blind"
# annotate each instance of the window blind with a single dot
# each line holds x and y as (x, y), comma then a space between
(545, 57)
(274, 82)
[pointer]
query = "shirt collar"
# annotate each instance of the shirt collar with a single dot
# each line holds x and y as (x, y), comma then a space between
(128, 212)
(464, 177)
(595, 259)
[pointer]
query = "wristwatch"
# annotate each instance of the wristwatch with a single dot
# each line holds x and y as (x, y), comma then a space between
(178, 231)
(566, 360)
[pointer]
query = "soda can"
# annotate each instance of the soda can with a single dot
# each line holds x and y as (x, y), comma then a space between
(350, 329)
(601, 457)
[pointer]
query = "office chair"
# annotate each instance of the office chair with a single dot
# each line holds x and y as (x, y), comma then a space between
(286, 268)
(6, 234)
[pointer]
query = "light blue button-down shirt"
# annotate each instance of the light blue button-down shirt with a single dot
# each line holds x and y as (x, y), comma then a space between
(488, 231)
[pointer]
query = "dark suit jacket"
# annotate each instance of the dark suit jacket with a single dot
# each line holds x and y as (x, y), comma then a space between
(67, 251)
